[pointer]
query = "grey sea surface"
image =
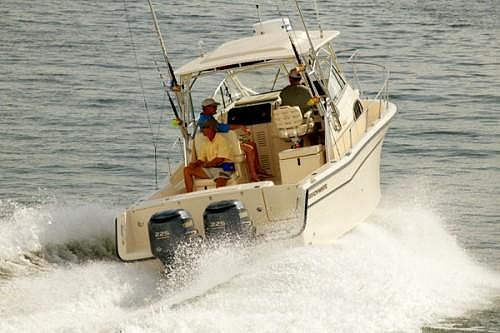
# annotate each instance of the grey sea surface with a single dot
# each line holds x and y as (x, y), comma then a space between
(81, 104)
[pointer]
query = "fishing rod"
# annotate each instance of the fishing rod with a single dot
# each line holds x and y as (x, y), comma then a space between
(174, 86)
(300, 63)
(148, 116)
(334, 109)
(295, 51)
(180, 123)
(302, 67)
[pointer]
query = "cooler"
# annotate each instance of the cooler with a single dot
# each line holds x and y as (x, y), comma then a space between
(295, 164)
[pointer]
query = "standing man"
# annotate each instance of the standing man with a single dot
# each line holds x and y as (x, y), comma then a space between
(214, 159)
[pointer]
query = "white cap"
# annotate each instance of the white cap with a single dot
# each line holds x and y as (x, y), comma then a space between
(209, 101)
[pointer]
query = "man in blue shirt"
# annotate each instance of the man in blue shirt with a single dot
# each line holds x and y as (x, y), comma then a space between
(209, 109)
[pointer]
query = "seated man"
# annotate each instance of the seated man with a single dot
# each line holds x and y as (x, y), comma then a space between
(296, 94)
(214, 159)
(209, 109)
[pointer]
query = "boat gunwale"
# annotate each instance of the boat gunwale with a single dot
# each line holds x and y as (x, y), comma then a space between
(347, 159)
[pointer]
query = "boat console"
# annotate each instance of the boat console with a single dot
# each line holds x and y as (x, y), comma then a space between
(250, 114)
(259, 113)
(255, 109)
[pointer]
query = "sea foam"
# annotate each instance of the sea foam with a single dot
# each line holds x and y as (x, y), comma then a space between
(397, 272)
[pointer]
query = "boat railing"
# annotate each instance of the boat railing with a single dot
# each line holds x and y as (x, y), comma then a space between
(344, 141)
(383, 92)
(372, 107)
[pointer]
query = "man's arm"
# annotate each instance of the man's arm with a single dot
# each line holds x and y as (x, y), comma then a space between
(245, 129)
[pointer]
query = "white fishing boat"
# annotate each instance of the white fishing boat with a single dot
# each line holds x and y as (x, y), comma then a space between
(318, 190)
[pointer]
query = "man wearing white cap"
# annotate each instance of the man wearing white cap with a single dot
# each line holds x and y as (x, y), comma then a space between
(209, 109)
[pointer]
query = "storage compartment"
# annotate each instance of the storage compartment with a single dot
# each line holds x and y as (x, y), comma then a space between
(295, 164)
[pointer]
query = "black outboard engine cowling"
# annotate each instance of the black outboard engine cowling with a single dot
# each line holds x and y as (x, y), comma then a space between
(167, 230)
(227, 219)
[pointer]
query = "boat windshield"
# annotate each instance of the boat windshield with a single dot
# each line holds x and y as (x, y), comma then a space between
(273, 77)
(264, 79)
(251, 82)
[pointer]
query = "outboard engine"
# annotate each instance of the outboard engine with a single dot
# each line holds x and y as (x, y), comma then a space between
(227, 219)
(167, 230)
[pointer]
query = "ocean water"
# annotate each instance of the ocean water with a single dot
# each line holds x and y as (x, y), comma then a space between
(76, 148)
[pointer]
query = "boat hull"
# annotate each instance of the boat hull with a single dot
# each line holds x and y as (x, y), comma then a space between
(345, 198)
(346, 194)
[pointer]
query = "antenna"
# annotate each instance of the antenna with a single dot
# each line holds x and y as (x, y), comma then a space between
(201, 45)
(317, 18)
(260, 17)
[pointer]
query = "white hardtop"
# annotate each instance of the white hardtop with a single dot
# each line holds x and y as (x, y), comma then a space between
(274, 45)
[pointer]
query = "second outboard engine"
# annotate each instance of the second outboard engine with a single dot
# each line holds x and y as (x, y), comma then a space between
(167, 230)
(227, 219)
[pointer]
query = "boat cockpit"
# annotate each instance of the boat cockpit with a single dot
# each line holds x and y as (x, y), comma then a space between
(276, 131)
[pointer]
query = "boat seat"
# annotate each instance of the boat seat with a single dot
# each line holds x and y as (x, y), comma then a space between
(291, 124)
(240, 175)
